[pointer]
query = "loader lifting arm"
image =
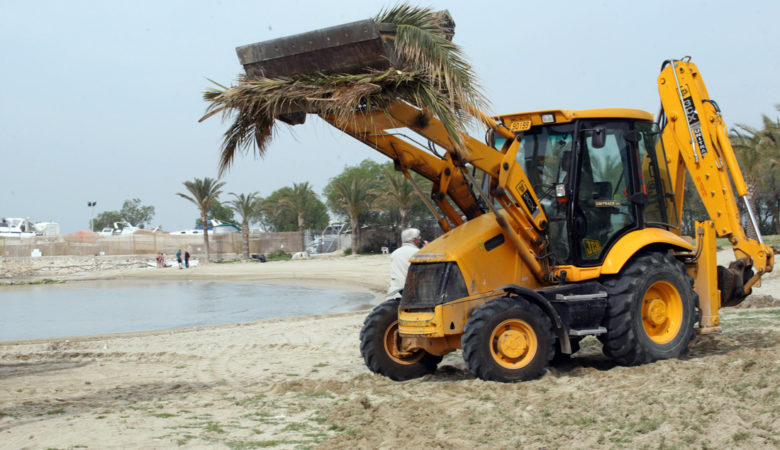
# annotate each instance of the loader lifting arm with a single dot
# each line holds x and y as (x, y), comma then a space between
(695, 138)
(524, 220)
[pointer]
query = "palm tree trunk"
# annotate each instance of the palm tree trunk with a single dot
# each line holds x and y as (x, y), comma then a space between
(245, 233)
(776, 214)
(355, 234)
(206, 236)
(301, 226)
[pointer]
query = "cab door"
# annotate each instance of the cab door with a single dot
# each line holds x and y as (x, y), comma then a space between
(602, 210)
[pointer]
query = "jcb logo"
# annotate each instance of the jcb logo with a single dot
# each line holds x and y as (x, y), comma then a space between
(520, 125)
(690, 108)
(592, 247)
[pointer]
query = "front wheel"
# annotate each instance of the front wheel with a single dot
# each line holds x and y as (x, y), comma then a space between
(651, 312)
(508, 339)
(379, 341)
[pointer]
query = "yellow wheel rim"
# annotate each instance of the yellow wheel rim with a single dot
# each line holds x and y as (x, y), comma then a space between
(513, 343)
(392, 340)
(662, 312)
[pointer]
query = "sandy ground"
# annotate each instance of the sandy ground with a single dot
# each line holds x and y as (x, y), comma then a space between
(301, 382)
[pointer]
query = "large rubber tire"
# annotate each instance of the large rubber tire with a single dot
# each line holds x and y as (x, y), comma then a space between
(508, 339)
(651, 313)
(378, 345)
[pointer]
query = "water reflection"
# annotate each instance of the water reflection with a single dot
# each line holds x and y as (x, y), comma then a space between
(83, 308)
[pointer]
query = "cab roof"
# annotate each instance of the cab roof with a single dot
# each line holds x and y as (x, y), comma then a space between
(568, 115)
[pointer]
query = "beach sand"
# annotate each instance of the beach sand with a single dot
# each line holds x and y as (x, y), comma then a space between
(301, 382)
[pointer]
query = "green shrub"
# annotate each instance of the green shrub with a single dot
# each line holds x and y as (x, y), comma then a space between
(279, 255)
(347, 251)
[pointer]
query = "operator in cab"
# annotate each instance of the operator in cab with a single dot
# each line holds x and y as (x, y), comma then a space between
(411, 242)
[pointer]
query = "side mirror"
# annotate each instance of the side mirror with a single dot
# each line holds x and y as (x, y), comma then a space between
(598, 137)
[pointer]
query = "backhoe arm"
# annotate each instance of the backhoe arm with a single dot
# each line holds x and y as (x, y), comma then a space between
(696, 138)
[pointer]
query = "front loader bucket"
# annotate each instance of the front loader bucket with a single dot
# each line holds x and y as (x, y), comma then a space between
(349, 48)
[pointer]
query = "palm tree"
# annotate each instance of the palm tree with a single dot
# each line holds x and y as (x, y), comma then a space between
(395, 191)
(747, 145)
(248, 207)
(355, 195)
(298, 201)
(202, 193)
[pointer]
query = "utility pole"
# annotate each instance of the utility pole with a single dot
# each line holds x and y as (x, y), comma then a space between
(91, 206)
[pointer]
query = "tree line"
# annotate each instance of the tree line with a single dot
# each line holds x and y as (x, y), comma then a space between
(367, 194)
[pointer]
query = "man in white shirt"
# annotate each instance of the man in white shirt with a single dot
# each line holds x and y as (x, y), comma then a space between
(399, 261)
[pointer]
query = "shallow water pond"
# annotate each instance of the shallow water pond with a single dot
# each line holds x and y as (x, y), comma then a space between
(97, 307)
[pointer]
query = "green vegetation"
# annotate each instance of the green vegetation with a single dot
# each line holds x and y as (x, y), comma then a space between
(132, 212)
(353, 194)
(248, 207)
(202, 193)
(279, 255)
(294, 208)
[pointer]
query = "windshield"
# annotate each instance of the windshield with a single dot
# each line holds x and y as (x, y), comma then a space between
(545, 155)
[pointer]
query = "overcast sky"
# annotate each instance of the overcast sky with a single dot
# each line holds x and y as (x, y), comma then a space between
(101, 99)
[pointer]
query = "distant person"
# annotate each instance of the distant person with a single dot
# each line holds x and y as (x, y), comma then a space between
(160, 260)
(411, 242)
(178, 258)
(187, 259)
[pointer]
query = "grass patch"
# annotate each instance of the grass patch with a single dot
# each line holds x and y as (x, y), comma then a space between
(750, 318)
(263, 444)
(294, 427)
(318, 394)
(740, 436)
(32, 283)
(214, 427)
(55, 411)
(279, 255)
(163, 415)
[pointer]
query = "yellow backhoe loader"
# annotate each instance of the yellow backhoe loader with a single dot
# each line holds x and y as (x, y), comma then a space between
(561, 225)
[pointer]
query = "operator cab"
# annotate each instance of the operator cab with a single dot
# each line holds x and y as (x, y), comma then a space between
(599, 173)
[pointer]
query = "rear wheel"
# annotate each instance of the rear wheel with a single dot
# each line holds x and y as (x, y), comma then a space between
(508, 339)
(651, 311)
(379, 345)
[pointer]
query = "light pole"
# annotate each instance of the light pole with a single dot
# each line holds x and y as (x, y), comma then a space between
(91, 206)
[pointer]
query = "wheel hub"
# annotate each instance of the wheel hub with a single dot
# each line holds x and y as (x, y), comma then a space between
(656, 311)
(662, 312)
(513, 344)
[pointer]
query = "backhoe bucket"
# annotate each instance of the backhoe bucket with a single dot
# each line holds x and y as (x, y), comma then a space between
(349, 48)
